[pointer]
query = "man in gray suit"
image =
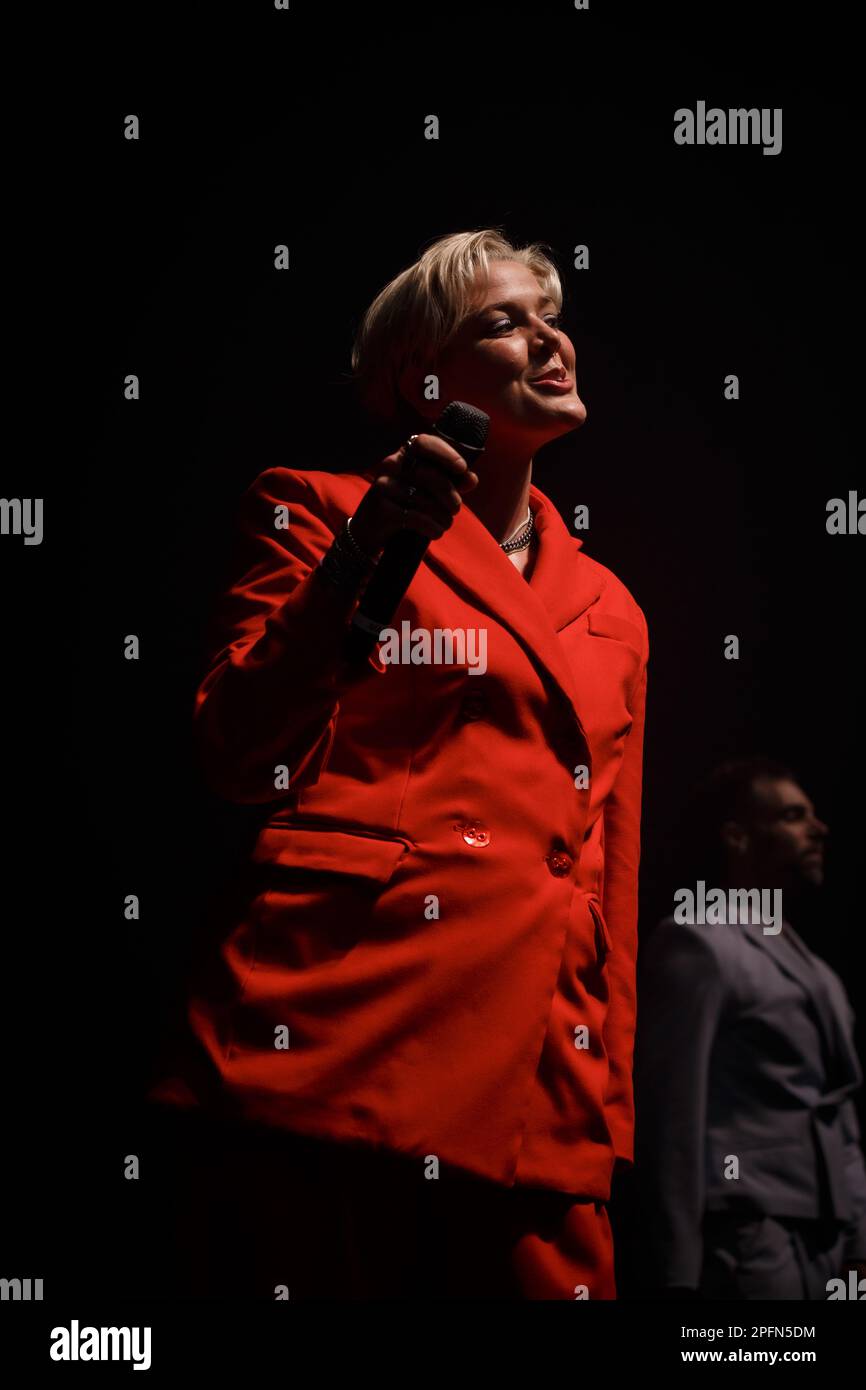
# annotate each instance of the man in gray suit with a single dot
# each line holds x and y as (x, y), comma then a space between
(749, 1173)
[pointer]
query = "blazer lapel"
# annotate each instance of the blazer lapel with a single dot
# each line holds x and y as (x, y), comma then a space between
(563, 585)
(794, 960)
(830, 1008)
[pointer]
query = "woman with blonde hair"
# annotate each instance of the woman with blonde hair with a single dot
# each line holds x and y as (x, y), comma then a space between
(420, 1036)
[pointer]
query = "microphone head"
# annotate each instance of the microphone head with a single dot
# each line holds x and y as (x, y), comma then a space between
(463, 427)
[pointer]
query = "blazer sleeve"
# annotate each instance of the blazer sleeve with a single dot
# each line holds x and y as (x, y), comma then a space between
(270, 696)
(683, 990)
(622, 814)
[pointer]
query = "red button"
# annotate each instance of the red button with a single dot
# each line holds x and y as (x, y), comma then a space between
(559, 865)
(475, 834)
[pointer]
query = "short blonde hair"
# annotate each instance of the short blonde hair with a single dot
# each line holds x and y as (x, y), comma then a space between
(413, 318)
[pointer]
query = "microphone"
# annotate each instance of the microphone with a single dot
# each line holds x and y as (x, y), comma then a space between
(465, 428)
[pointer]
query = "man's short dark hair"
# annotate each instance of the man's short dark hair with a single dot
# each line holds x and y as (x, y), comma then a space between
(725, 793)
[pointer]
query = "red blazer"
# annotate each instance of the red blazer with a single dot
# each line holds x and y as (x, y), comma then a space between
(437, 909)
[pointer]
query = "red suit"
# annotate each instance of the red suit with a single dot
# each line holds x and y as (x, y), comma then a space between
(455, 965)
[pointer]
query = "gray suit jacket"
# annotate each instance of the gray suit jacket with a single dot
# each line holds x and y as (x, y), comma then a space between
(744, 1051)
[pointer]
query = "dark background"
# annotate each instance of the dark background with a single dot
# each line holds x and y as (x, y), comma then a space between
(156, 258)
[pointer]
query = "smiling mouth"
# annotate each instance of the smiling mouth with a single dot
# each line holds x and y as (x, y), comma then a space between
(554, 383)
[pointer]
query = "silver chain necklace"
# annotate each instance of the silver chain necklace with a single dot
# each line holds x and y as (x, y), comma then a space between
(520, 538)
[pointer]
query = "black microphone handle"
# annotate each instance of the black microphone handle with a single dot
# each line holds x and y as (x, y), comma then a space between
(464, 427)
(394, 573)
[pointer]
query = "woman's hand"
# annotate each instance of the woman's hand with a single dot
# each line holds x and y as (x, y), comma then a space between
(441, 479)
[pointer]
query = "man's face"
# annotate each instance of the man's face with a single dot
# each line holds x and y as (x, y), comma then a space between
(782, 837)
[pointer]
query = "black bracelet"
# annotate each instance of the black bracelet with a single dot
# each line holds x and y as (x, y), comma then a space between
(360, 555)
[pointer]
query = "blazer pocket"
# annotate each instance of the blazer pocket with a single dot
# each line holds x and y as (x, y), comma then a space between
(622, 629)
(603, 939)
(362, 854)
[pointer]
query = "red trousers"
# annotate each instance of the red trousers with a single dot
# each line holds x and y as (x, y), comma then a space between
(258, 1215)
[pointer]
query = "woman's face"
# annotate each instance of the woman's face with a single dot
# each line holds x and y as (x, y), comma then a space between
(510, 339)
